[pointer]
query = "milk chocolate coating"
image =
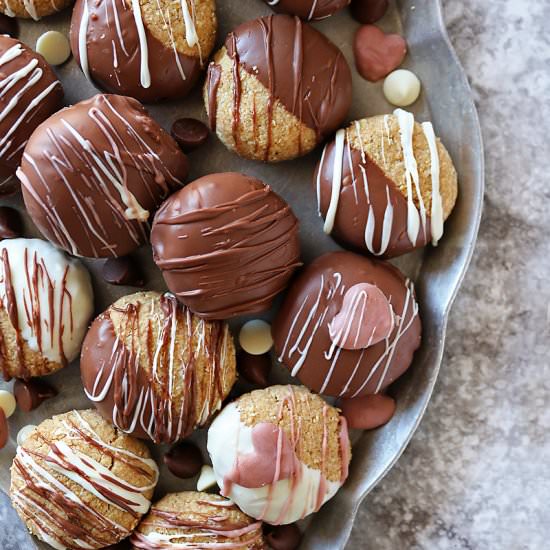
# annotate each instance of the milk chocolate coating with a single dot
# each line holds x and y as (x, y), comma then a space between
(226, 244)
(105, 43)
(30, 94)
(354, 204)
(299, 66)
(32, 393)
(301, 333)
(308, 9)
(93, 174)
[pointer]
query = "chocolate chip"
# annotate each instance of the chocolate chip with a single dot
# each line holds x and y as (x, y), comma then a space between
(9, 26)
(284, 537)
(11, 224)
(189, 133)
(368, 11)
(122, 271)
(4, 429)
(184, 459)
(29, 395)
(254, 368)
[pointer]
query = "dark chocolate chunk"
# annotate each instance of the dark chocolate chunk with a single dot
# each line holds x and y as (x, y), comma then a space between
(122, 271)
(11, 224)
(254, 368)
(189, 133)
(9, 26)
(368, 11)
(284, 537)
(29, 395)
(184, 459)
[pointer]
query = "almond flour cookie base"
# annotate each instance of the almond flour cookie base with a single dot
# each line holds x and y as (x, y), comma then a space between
(436, 272)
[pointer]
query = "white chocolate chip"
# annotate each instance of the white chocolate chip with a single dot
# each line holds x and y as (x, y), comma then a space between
(54, 47)
(7, 402)
(402, 88)
(24, 432)
(255, 337)
(207, 478)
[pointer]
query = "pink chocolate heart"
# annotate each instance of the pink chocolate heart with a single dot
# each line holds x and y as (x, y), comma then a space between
(377, 54)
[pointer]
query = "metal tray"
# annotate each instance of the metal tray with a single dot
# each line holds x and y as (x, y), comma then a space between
(438, 272)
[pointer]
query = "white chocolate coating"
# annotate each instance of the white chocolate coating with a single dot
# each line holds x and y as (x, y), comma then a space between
(207, 478)
(54, 47)
(255, 337)
(229, 438)
(7, 402)
(50, 293)
(402, 88)
(24, 432)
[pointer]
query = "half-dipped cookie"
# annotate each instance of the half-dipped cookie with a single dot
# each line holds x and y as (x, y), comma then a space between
(348, 326)
(385, 185)
(77, 482)
(149, 49)
(154, 369)
(93, 174)
(197, 520)
(30, 93)
(279, 453)
(226, 245)
(276, 89)
(46, 302)
(308, 9)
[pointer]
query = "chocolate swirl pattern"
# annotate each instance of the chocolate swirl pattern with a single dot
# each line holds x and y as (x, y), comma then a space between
(227, 244)
(192, 520)
(45, 305)
(29, 93)
(144, 64)
(68, 494)
(302, 328)
(363, 206)
(154, 369)
(94, 173)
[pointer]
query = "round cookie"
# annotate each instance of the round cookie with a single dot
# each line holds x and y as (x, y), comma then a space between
(78, 483)
(154, 369)
(385, 185)
(30, 94)
(276, 89)
(46, 301)
(348, 326)
(93, 174)
(226, 244)
(197, 520)
(279, 453)
(32, 9)
(160, 52)
(308, 9)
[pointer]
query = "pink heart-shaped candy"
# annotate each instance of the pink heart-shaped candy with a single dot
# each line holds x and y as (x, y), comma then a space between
(377, 54)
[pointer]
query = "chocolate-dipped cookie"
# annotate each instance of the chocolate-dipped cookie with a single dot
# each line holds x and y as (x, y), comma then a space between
(276, 89)
(149, 49)
(279, 453)
(46, 302)
(348, 326)
(30, 94)
(226, 245)
(76, 482)
(32, 9)
(93, 174)
(154, 369)
(308, 9)
(197, 520)
(385, 185)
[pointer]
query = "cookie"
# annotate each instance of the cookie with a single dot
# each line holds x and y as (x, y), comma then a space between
(30, 93)
(226, 245)
(93, 174)
(46, 301)
(386, 185)
(276, 89)
(197, 520)
(76, 482)
(348, 326)
(279, 453)
(308, 9)
(147, 49)
(154, 369)
(32, 9)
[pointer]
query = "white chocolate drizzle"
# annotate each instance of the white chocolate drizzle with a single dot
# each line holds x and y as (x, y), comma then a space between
(145, 73)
